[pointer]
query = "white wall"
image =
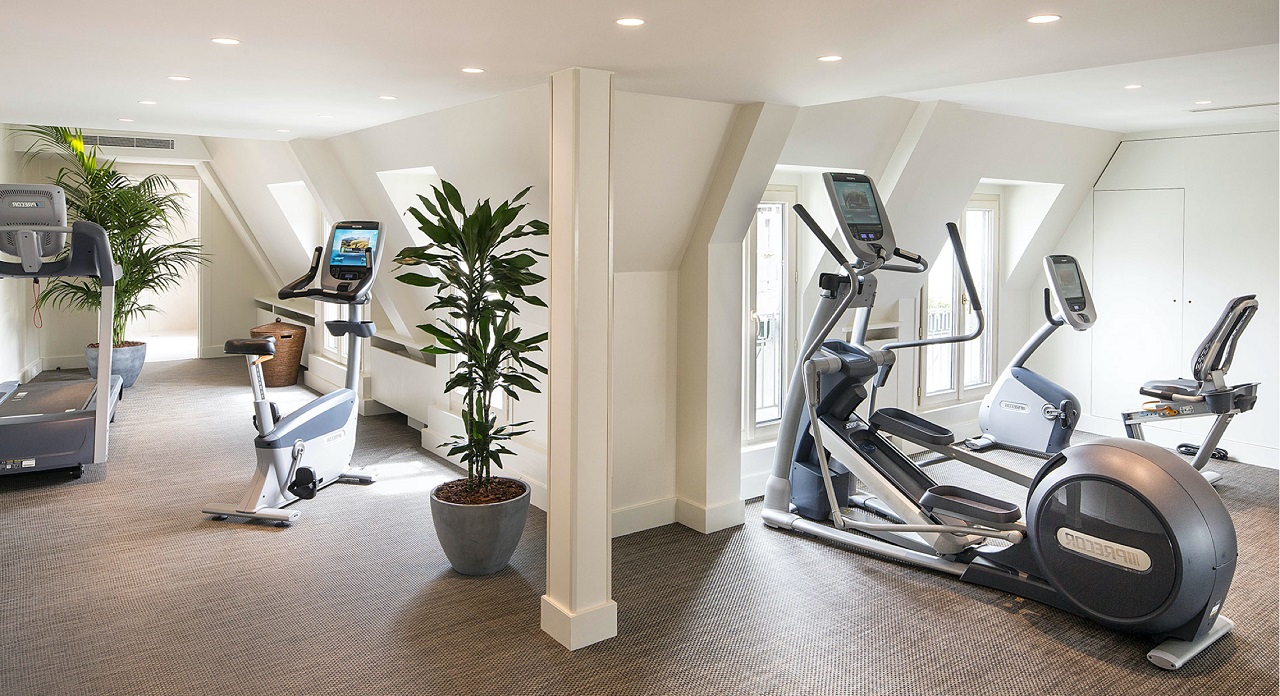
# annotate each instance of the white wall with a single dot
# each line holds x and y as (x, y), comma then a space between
(663, 153)
(19, 349)
(229, 283)
(487, 149)
(226, 285)
(1228, 248)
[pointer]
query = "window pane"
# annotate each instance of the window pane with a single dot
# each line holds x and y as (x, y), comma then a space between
(770, 273)
(979, 229)
(938, 371)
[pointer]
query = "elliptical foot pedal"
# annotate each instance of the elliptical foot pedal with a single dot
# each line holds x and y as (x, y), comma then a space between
(304, 483)
(971, 506)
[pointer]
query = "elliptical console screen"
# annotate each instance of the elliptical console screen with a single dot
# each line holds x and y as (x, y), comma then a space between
(854, 198)
(857, 203)
(353, 246)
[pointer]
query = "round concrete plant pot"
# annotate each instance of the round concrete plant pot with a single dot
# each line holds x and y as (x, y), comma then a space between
(126, 361)
(480, 539)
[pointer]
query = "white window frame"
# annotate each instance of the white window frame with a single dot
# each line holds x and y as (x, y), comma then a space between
(788, 195)
(959, 393)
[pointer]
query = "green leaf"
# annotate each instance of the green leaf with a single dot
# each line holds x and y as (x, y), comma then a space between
(419, 280)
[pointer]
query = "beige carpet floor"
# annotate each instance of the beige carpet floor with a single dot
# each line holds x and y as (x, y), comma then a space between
(117, 584)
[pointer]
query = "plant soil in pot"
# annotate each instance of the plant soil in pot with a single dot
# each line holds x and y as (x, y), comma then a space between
(479, 538)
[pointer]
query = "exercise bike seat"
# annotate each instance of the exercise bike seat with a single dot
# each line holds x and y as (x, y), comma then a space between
(250, 346)
(1173, 390)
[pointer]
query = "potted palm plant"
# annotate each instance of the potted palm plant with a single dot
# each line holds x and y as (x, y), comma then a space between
(137, 217)
(480, 281)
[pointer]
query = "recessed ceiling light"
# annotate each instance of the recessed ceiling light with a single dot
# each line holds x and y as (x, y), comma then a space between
(473, 71)
(389, 97)
(324, 115)
(147, 102)
(179, 78)
(1133, 86)
(830, 59)
(125, 120)
(1202, 102)
(1044, 18)
(282, 130)
(226, 41)
(630, 22)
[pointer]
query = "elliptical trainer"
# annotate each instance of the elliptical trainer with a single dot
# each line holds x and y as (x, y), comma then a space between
(1118, 531)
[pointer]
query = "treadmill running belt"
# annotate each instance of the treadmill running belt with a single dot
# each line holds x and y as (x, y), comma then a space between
(49, 397)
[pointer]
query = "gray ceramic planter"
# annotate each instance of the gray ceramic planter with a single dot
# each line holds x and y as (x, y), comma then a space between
(126, 361)
(480, 539)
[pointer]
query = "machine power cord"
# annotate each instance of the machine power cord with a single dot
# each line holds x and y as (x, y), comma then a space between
(1191, 450)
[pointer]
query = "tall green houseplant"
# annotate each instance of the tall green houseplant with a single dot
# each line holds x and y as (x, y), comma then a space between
(480, 285)
(137, 217)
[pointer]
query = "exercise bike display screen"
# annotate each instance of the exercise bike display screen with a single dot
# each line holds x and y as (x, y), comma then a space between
(1070, 285)
(353, 247)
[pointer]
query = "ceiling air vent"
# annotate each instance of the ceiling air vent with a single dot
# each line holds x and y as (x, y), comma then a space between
(119, 141)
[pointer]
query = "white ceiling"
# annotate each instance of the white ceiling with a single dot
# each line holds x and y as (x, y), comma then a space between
(87, 63)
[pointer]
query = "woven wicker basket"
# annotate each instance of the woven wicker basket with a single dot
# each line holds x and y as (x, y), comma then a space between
(282, 370)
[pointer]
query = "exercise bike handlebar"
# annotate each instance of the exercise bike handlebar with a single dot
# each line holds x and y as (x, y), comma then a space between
(1048, 311)
(301, 286)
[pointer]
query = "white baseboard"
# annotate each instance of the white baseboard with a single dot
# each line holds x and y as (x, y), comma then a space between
(214, 352)
(638, 518)
(757, 464)
(66, 362)
(371, 407)
(579, 630)
(31, 370)
(710, 519)
(753, 484)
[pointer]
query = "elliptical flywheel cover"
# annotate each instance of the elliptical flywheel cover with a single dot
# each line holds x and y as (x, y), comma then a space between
(1131, 534)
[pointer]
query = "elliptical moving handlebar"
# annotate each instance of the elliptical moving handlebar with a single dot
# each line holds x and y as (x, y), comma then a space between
(970, 289)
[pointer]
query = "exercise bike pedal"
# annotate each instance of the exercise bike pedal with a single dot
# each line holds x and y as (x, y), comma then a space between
(304, 483)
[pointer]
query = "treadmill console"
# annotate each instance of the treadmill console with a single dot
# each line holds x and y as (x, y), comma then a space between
(33, 222)
(351, 256)
(861, 215)
(1067, 284)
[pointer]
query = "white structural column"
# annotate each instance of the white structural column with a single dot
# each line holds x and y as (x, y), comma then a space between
(710, 324)
(578, 608)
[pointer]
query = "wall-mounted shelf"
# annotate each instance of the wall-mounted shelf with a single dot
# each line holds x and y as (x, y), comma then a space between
(402, 346)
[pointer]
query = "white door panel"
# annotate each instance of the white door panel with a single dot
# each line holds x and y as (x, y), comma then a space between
(1137, 239)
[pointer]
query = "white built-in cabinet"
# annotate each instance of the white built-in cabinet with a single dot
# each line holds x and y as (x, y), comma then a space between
(1181, 226)
(1138, 238)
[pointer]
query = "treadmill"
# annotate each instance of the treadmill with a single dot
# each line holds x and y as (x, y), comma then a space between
(56, 424)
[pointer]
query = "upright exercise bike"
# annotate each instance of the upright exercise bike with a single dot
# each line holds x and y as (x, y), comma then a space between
(1121, 532)
(310, 448)
(1025, 410)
